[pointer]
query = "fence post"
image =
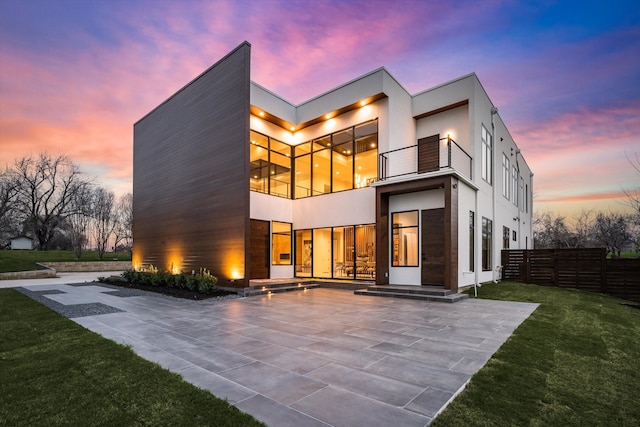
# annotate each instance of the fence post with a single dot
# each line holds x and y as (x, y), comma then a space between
(527, 266)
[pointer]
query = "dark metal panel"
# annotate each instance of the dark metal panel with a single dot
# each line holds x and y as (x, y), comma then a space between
(429, 154)
(433, 252)
(191, 181)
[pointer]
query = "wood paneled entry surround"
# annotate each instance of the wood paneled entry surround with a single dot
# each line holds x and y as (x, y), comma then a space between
(439, 235)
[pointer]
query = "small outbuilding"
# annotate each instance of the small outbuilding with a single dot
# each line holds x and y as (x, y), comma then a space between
(22, 242)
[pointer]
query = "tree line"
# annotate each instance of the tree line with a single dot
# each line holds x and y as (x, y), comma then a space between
(616, 232)
(52, 201)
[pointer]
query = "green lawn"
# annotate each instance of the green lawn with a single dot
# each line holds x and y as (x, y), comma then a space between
(26, 260)
(574, 362)
(54, 372)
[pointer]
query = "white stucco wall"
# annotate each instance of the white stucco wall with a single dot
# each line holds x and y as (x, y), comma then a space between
(343, 121)
(272, 103)
(337, 209)
(349, 93)
(466, 204)
(454, 123)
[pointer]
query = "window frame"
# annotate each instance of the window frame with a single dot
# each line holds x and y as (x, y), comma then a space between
(486, 157)
(273, 243)
(395, 241)
(330, 143)
(506, 177)
(514, 185)
(506, 237)
(487, 244)
(271, 167)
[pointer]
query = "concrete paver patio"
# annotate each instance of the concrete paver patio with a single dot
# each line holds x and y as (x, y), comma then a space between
(319, 357)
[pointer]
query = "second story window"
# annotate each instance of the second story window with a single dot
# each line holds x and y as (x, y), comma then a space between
(344, 160)
(514, 185)
(270, 165)
(505, 176)
(486, 157)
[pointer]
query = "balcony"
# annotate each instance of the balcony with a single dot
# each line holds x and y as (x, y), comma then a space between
(428, 155)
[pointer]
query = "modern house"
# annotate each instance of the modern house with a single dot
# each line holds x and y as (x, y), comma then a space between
(363, 182)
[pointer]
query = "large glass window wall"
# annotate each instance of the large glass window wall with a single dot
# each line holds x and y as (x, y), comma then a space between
(339, 252)
(344, 160)
(302, 177)
(270, 165)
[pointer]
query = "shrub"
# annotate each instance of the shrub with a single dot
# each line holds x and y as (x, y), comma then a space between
(203, 281)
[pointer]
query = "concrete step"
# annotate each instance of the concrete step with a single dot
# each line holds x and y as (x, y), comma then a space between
(419, 290)
(274, 288)
(436, 295)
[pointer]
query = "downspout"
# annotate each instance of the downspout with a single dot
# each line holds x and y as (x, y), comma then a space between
(494, 150)
(475, 243)
(519, 203)
(530, 210)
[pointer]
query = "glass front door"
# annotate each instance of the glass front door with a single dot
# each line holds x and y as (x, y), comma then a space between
(304, 253)
(322, 252)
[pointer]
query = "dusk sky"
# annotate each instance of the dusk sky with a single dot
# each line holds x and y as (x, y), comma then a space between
(76, 74)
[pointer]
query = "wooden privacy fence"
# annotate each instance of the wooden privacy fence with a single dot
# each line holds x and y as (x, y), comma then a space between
(584, 269)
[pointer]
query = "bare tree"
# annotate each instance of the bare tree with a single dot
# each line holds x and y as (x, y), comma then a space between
(104, 220)
(583, 230)
(9, 221)
(8, 192)
(633, 194)
(47, 186)
(78, 221)
(612, 231)
(551, 231)
(123, 232)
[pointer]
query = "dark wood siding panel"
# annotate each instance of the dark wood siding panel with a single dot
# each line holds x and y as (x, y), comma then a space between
(433, 247)
(429, 154)
(382, 237)
(259, 249)
(451, 236)
(191, 191)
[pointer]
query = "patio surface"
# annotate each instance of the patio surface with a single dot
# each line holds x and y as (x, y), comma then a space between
(320, 357)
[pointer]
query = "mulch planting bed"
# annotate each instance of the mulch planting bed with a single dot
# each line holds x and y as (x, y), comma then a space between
(172, 292)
